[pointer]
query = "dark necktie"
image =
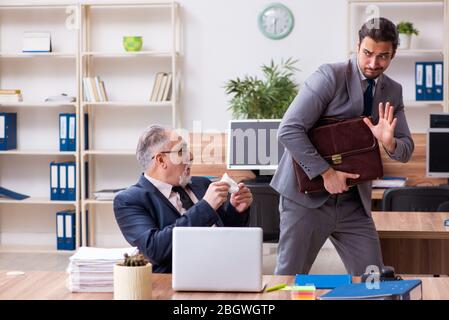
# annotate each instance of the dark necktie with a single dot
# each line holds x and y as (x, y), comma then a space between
(187, 203)
(368, 98)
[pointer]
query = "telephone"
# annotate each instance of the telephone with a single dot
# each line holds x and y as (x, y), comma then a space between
(386, 274)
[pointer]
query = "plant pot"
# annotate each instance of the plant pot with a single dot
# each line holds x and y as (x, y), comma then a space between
(404, 41)
(132, 283)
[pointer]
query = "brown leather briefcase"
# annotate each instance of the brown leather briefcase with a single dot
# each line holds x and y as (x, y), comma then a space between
(347, 145)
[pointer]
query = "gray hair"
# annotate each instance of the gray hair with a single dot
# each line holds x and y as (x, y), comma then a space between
(150, 141)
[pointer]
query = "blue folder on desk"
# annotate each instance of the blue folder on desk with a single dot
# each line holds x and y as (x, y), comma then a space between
(387, 290)
(323, 281)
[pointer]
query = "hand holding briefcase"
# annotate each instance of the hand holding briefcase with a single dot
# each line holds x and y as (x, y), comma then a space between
(348, 145)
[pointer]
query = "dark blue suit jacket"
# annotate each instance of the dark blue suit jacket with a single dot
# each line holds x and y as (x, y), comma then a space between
(146, 218)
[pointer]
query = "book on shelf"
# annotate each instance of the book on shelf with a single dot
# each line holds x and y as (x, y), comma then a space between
(106, 194)
(162, 87)
(166, 96)
(8, 95)
(94, 89)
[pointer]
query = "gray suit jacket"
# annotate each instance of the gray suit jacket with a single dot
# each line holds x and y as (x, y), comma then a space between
(334, 90)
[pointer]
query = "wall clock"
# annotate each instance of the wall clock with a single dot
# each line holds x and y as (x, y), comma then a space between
(276, 21)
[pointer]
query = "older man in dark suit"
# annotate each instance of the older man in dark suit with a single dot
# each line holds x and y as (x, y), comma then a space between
(166, 197)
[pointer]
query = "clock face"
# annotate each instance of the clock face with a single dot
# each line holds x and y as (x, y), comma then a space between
(276, 21)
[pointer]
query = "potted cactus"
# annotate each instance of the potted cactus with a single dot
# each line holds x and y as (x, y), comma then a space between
(132, 278)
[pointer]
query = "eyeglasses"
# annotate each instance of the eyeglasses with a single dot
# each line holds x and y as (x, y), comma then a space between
(183, 152)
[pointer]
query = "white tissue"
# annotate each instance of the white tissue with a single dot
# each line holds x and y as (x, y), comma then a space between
(233, 187)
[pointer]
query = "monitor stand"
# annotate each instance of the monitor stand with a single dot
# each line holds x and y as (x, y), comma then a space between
(261, 178)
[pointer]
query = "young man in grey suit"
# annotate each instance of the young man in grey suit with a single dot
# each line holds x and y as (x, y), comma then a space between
(343, 214)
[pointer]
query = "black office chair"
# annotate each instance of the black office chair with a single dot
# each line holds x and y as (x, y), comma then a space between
(414, 198)
(444, 207)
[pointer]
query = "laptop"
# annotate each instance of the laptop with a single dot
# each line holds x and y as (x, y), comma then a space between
(217, 259)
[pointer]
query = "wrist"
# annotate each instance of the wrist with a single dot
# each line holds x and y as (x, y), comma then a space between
(390, 147)
(327, 173)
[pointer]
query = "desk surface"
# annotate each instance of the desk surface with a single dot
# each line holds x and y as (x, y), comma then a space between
(419, 225)
(51, 286)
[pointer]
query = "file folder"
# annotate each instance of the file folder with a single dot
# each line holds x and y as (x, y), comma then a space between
(438, 71)
(430, 77)
(71, 178)
(72, 132)
(8, 131)
(60, 231)
(9, 194)
(63, 181)
(387, 290)
(63, 139)
(70, 230)
(323, 281)
(54, 181)
(419, 74)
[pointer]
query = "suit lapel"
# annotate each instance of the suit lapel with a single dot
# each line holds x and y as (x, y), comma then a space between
(354, 87)
(197, 191)
(150, 187)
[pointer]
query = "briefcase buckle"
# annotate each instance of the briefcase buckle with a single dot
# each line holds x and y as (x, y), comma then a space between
(336, 159)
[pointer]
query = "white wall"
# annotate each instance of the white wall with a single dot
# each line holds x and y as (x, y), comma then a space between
(222, 41)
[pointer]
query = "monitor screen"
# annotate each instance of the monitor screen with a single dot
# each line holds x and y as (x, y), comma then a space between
(253, 145)
(438, 153)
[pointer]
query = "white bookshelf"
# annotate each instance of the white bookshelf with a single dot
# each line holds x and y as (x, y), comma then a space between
(30, 225)
(115, 125)
(431, 19)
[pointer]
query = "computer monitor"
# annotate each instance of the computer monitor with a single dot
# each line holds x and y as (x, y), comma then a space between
(437, 154)
(253, 144)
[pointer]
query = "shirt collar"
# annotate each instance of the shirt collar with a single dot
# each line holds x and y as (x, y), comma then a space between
(362, 76)
(163, 187)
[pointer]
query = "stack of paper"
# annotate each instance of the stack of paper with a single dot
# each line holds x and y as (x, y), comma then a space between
(106, 194)
(91, 269)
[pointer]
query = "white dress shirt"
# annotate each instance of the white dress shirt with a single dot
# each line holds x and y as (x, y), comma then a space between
(364, 81)
(173, 197)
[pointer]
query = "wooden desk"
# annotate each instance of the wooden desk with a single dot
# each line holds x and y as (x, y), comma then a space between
(51, 286)
(414, 242)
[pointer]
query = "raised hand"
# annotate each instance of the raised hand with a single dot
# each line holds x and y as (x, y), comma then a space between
(384, 129)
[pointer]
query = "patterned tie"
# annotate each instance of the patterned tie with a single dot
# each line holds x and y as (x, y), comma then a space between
(368, 98)
(187, 203)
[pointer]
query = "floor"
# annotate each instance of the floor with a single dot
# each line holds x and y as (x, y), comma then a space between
(327, 262)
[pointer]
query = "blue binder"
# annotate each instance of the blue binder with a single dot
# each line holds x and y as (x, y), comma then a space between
(388, 290)
(63, 194)
(86, 131)
(8, 131)
(429, 81)
(419, 81)
(9, 194)
(323, 281)
(71, 181)
(71, 125)
(54, 181)
(439, 81)
(60, 231)
(63, 132)
(70, 230)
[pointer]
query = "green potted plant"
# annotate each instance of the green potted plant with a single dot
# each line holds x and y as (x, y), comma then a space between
(267, 98)
(406, 30)
(132, 278)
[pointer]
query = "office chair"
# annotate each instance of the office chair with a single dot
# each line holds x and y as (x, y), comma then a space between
(443, 207)
(414, 198)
